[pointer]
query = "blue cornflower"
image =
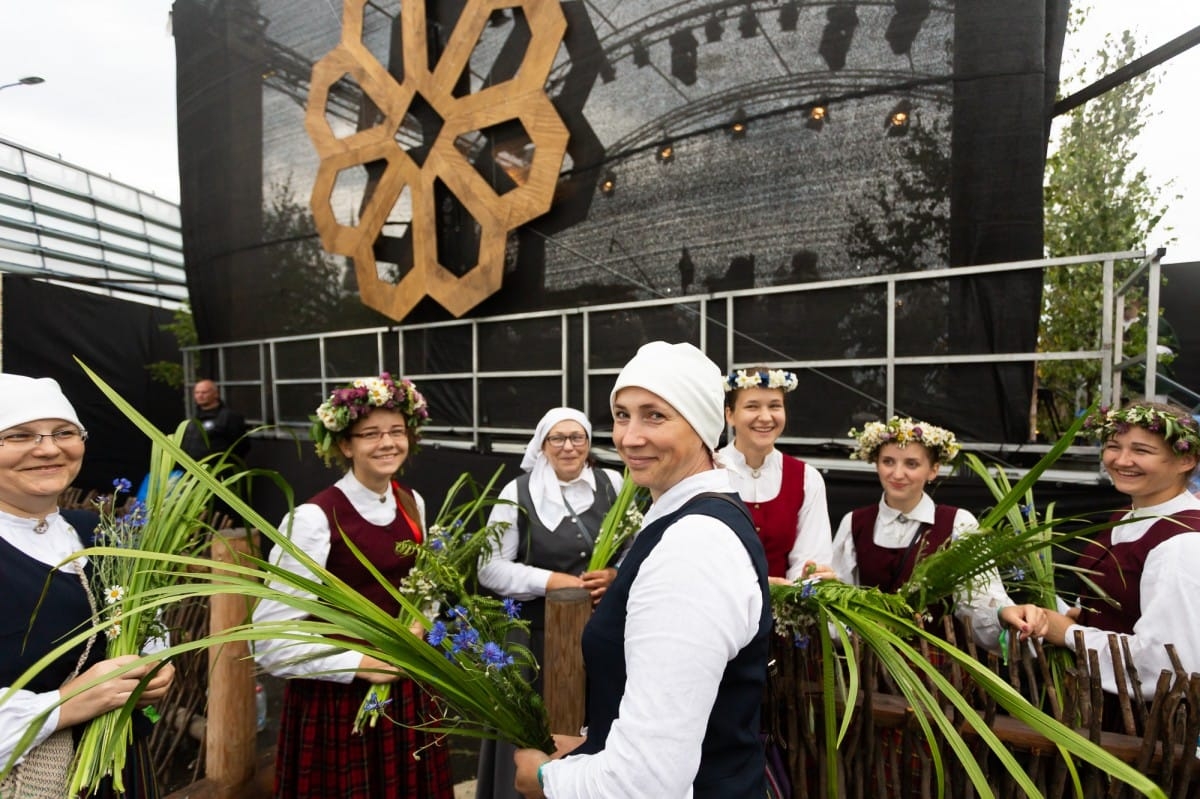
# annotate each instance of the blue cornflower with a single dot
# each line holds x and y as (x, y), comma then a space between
(136, 517)
(437, 544)
(465, 639)
(122, 485)
(494, 655)
(374, 705)
(457, 612)
(1018, 574)
(1027, 512)
(802, 641)
(436, 634)
(808, 588)
(512, 607)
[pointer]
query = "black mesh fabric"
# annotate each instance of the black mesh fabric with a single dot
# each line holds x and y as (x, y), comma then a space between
(788, 198)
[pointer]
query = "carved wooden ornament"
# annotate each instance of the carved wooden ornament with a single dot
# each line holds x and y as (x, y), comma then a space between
(522, 98)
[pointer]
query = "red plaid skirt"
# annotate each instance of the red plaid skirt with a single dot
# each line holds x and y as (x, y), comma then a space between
(319, 757)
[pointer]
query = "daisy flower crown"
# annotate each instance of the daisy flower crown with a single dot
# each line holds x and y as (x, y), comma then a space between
(350, 403)
(1179, 430)
(761, 378)
(902, 431)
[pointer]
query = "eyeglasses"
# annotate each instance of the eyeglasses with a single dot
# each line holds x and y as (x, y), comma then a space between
(376, 435)
(62, 438)
(558, 441)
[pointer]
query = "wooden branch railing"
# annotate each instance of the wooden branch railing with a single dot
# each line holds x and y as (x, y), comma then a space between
(1159, 738)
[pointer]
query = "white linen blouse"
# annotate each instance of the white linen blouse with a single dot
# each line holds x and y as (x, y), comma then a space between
(310, 533)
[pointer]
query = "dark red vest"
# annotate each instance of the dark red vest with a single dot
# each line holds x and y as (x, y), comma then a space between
(376, 542)
(775, 520)
(887, 568)
(1117, 570)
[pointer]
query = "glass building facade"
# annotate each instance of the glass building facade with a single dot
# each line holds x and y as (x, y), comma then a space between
(70, 226)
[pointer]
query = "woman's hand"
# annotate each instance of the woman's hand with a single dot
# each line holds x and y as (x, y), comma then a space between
(110, 693)
(1027, 620)
(818, 571)
(376, 671)
(528, 762)
(597, 582)
(559, 580)
(1057, 625)
(157, 685)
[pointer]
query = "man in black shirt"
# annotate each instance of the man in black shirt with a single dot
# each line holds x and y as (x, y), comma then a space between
(215, 427)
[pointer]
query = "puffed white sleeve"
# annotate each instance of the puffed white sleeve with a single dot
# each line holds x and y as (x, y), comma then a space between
(285, 657)
(844, 559)
(1170, 595)
(500, 571)
(982, 601)
(18, 712)
(814, 536)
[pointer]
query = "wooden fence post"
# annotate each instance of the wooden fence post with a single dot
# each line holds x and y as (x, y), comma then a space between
(230, 746)
(567, 611)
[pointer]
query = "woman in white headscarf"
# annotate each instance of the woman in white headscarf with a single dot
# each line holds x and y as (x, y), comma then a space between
(47, 599)
(560, 501)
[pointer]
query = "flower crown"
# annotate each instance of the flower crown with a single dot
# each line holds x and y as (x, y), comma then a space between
(347, 405)
(765, 378)
(1179, 430)
(940, 442)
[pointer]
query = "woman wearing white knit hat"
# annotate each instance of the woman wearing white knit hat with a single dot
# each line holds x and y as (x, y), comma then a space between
(676, 651)
(41, 451)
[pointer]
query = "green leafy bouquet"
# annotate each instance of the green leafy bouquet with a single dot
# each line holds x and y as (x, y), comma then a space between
(620, 523)
(443, 584)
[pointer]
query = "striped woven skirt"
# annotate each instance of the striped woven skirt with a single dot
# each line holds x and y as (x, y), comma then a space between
(319, 756)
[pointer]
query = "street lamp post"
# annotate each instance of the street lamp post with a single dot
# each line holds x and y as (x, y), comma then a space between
(29, 80)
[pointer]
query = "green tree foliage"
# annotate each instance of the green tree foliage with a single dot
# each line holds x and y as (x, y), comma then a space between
(1096, 200)
(183, 327)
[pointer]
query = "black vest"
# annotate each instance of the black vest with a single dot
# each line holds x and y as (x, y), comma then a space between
(731, 758)
(566, 548)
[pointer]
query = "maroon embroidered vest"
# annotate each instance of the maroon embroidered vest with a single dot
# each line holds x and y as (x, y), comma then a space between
(376, 542)
(775, 520)
(1117, 571)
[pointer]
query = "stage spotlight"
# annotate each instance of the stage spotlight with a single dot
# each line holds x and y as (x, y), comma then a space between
(641, 55)
(905, 24)
(789, 16)
(683, 56)
(712, 30)
(816, 117)
(666, 153)
(609, 184)
(899, 119)
(748, 23)
(737, 125)
(835, 39)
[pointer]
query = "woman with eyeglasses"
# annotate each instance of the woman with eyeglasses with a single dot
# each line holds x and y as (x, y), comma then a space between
(41, 452)
(368, 427)
(553, 519)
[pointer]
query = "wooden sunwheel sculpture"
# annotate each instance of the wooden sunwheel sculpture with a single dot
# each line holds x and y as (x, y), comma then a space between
(522, 99)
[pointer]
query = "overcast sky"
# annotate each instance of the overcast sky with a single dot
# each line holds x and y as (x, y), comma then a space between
(108, 103)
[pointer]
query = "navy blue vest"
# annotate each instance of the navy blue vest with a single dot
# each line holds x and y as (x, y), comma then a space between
(731, 758)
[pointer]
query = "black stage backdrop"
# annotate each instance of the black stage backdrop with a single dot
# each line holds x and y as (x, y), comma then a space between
(787, 199)
(45, 325)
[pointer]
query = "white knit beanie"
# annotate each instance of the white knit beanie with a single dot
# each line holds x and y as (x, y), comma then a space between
(684, 377)
(27, 399)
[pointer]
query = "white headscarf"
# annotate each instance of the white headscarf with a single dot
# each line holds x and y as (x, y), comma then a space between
(27, 399)
(544, 486)
(684, 377)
